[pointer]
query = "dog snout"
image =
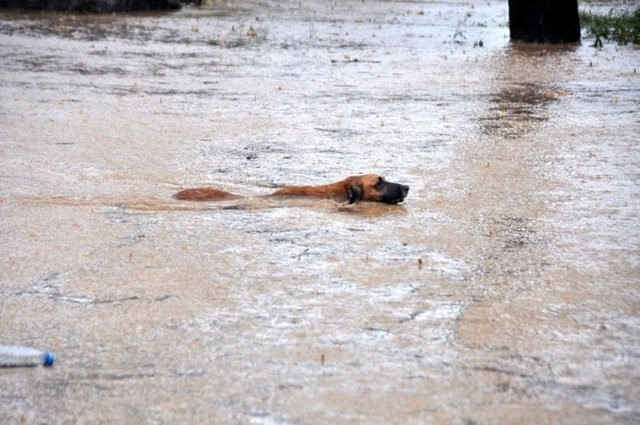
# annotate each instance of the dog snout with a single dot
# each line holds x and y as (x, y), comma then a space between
(404, 189)
(396, 193)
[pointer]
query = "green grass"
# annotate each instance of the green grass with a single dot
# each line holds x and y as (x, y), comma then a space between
(621, 27)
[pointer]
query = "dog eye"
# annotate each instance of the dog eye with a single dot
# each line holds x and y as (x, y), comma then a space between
(379, 183)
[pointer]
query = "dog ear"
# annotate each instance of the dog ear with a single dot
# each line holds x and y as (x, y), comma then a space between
(354, 193)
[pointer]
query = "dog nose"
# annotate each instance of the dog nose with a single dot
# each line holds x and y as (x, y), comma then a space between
(405, 189)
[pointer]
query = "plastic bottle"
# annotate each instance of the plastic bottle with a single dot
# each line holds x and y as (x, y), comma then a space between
(16, 356)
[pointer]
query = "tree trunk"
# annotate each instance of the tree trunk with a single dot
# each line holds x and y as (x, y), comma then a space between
(544, 21)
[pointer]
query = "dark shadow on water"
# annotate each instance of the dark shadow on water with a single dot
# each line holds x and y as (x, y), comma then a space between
(518, 107)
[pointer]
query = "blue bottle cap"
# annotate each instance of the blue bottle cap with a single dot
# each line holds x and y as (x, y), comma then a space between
(48, 358)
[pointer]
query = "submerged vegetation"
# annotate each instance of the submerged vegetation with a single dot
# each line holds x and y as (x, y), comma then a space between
(621, 27)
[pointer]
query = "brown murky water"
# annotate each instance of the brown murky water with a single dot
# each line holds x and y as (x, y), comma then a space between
(504, 290)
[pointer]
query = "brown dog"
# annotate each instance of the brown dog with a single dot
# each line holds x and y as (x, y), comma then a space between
(366, 187)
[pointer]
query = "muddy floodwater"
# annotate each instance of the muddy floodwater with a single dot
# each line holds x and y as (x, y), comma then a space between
(505, 289)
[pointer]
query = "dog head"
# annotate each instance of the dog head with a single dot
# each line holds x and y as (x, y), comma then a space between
(371, 187)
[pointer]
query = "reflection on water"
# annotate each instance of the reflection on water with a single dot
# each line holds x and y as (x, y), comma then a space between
(521, 103)
(507, 278)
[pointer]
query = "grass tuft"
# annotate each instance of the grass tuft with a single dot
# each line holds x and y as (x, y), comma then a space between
(621, 27)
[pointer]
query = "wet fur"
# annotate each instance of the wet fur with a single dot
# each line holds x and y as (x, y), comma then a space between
(205, 194)
(367, 187)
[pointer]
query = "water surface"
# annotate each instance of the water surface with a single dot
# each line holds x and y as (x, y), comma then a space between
(504, 289)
